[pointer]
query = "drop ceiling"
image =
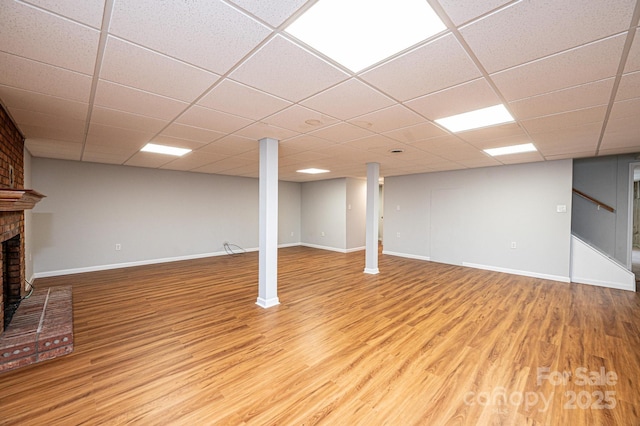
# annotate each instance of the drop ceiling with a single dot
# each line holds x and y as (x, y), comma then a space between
(96, 80)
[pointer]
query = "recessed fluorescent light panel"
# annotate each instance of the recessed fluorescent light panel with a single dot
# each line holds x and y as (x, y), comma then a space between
(163, 149)
(484, 117)
(312, 171)
(360, 33)
(513, 149)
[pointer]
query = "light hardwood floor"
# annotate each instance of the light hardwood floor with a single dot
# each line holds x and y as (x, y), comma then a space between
(420, 343)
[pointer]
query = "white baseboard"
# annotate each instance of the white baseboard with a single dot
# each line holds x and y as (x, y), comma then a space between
(267, 303)
(518, 272)
(351, 250)
(608, 284)
(130, 264)
(408, 256)
(371, 271)
(316, 246)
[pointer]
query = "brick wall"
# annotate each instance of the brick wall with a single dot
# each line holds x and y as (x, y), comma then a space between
(12, 175)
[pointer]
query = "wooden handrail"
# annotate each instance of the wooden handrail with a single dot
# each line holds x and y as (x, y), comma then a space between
(594, 201)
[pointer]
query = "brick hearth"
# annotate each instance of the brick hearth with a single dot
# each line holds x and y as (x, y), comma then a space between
(42, 329)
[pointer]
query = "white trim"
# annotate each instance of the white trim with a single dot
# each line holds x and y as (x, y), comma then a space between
(608, 284)
(518, 272)
(631, 177)
(407, 255)
(351, 250)
(288, 245)
(96, 268)
(339, 250)
(371, 271)
(264, 303)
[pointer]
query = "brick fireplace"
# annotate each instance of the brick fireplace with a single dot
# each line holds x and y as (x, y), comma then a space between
(11, 222)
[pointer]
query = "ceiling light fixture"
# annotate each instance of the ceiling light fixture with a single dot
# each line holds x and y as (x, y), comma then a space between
(513, 149)
(360, 33)
(163, 149)
(479, 118)
(312, 171)
(396, 151)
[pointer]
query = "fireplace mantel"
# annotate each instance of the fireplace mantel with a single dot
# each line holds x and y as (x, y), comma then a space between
(12, 200)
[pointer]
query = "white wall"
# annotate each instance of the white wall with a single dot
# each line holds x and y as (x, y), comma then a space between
(356, 213)
(606, 179)
(471, 217)
(323, 212)
(155, 215)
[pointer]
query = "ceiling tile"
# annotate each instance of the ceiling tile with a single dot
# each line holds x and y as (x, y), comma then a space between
(573, 98)
(461, 12)
(306, 157)
(182, 131)
(206, 33)
(415, 133)
(237, 99)
(527, 157)
(37, 77)
(341, 132)
(374, 141)
(300, 119)
(586, 64)
(115, 118)
(38, 102)
(39, 35)
(224, 164)
(87, 11)
(441, 145)
(349, 99)
(517, 139)
(230, 145)
(127, 99)
(69, 134)
(633, 60)
(569, 139)
(533, 31)
(206, 118)
(116, 139)
(48, 148)
(416, 73)
(465, 97)
(148, 159)
(37, 125)
(274, 13)
(193, 160)
(312, 74)
(629, 87)
(175, 142)
(260, 130)
(304, 143)
(129, 65)
(105, 154)
(622, 133)
(387, 119)
(566, 119)
(492, 132)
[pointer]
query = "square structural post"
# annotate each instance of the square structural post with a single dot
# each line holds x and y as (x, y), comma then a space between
(268, 224)
(373, 206)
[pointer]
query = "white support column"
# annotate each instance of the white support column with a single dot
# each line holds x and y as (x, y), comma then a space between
(268, 256)
(373, 205)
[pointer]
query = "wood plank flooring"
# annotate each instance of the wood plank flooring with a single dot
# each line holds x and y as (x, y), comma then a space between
(419, 344)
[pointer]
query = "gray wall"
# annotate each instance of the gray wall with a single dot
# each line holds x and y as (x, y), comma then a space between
(606, 179)
(323, 211)
(356, 213)
(154, 214)
(471, 217)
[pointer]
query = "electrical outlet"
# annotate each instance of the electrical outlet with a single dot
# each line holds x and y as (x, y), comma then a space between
(513, 244)
(322, 234)
(398, 234)
(292, 233)
(118, 247)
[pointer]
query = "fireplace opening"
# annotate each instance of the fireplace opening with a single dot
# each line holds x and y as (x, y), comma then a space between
(11, 282)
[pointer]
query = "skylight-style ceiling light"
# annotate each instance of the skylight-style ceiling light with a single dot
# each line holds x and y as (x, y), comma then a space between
(484, 117)
(312, 171)
(163, 149)
(513, 149)
(360, 33)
